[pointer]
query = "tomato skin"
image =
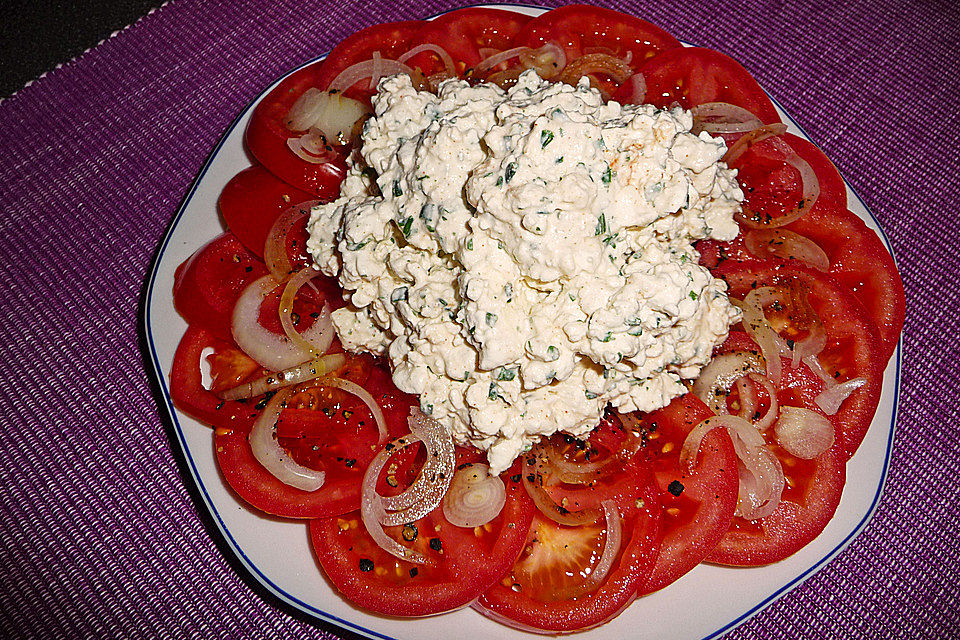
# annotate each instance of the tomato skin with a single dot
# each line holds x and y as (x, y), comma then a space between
(578, 28)
(462, 33)
(697, 519)
(641, 542)
(186, 387)
(694, 76)
(853, 346)
(206, 286)
(251, 202)
(469, 562)
(342, 436)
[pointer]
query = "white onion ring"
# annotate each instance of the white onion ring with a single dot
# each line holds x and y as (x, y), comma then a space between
(534, 476)
(306, 111)
(638, 86)
(270, 350)
(808, 197)
(311, 147)
(717, 378)
(831, 398)
(722, 117)
(804, 433)
(364, 395)
(786, 244)
(475, 497)
(501, 57)
(316, 368)
(268, 452)
(769, 417)
(611, 546)
(318, 342)
(434, 48)
(738, 428)
(761, 483)
(757, 327)
(366, 69)
(275, 247)
(749, 139)
(549, 60)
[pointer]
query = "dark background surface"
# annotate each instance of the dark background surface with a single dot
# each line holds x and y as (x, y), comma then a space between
(36, 36)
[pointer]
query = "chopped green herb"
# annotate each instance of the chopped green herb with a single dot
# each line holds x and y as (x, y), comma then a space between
(491, 319)
(601, 225)
(510, 171)
(397, 191)
(400, 293)
(506, 374)
(546, 137)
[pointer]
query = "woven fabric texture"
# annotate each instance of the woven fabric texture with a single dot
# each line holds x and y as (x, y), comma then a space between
(99, 536)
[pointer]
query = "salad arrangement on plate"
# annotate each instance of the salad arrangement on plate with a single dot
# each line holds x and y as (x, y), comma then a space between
(743, 469)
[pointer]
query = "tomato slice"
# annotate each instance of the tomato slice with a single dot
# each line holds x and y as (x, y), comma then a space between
(852, 350)
(229, 367)
(267, 134)
(463, 562)
(581, 29)
(542, 591)
(323, 429)
(391, 40)
(206, 286)
(251, 202)
(694, 76)
(697, 505)
(463, 34)
(813, 487)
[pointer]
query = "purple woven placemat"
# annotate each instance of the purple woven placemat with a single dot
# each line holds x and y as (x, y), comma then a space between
(100, 538)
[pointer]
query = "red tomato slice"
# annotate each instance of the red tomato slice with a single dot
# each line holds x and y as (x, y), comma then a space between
(208, 283)
(853, 348)
(694, 76)
(535, 594)
(813, 487)
(228, 367)
(464, 562)
(581, 29)
(251, 203)
(697, 505)
(391, 40)
(463, 33)
(323, 429)
(267, 134)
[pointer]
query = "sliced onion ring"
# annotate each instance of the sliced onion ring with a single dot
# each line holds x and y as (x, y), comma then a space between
(738, 428)
(804, 433)
(762, 423)
(433, 48)
(761, 483)
(376, 67)
(722, 117)
(275, 248)
(475, 497)
(717, 378)
(316, 368)
(538, 473)
(786, 244)
(611, 547)
(830, 399)
(268, 452)
(270, 350)
(312, 342)
(499, 58)
(311, 147)
(759, 134)
(364, 395)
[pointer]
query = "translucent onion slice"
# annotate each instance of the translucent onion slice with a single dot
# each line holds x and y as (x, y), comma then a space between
(804, 433)
(549, 60)
(762, 423)
(334, 114)
(535, 477)
(830, 399)
(808, 197)
(305, 112)
(738, 428)
(433, 48)
(317, 343)
(268, 452)
(377, 67)
(275, 248)
(755, 323)
(717, 378)
(270, 350)
(475, 497)
(364, 395)
(316, 368)
(311, 147)
(611, 547)
(723, 118)
(498, 58)
(786, 244)
(638, 86)
(371, 512)
(761, 483)
(594, 63)
(759, 134)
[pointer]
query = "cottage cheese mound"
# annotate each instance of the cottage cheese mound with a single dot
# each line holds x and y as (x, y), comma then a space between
(525, 257)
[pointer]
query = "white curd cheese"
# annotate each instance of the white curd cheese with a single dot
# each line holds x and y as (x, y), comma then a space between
(524, 257)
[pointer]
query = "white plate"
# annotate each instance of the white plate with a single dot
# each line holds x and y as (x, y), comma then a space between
(705, 603)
